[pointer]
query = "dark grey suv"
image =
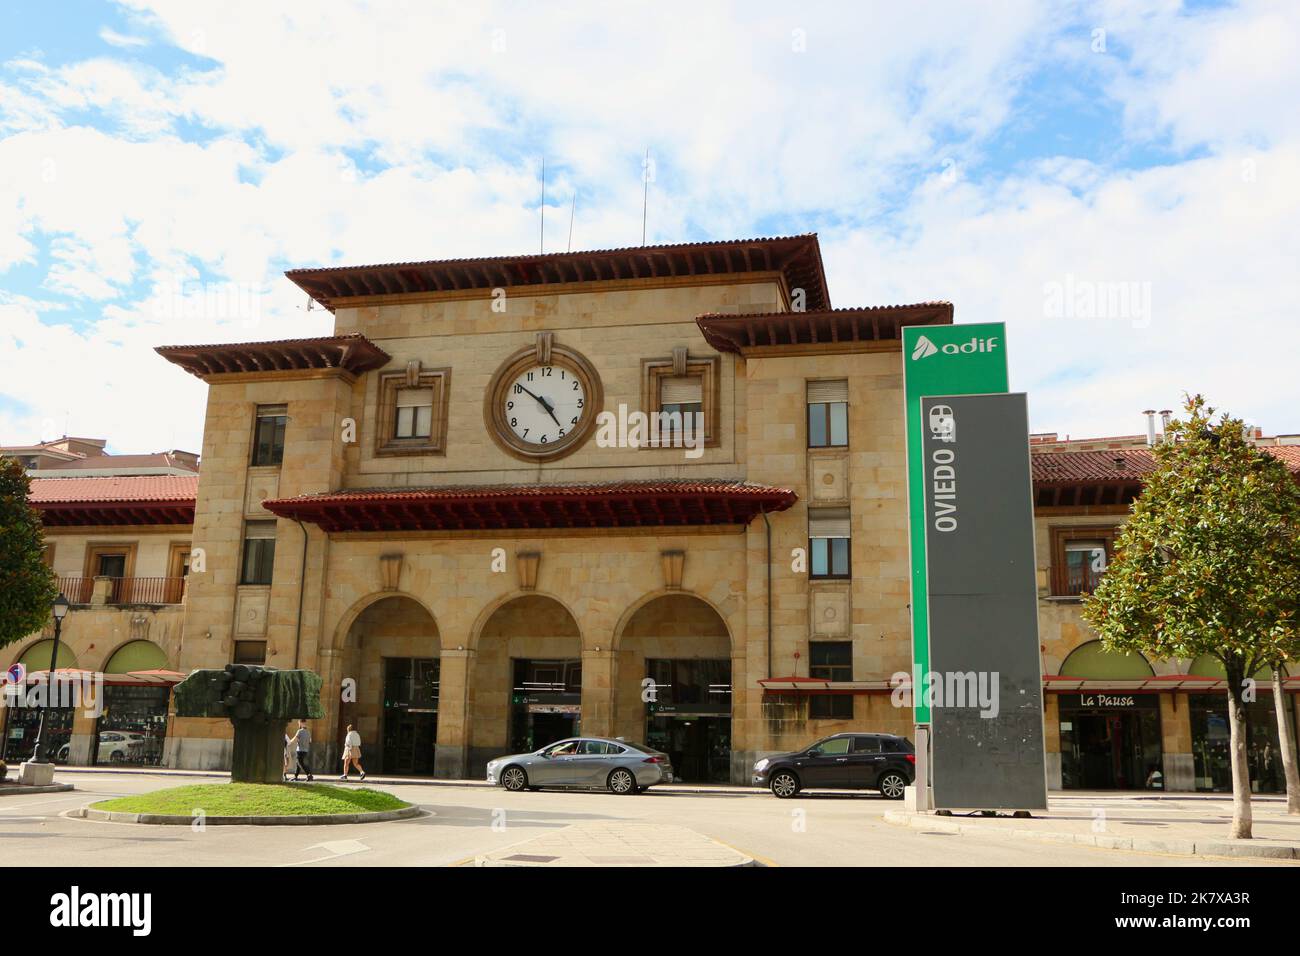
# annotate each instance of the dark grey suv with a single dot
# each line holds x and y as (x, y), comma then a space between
(849, 761)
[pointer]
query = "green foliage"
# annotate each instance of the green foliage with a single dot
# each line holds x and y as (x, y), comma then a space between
(1209, 562)
(27, 586)
(255, 799)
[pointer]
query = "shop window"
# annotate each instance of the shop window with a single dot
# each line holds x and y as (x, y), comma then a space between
(268, 435)
(250, 652)
(828, 414)
(1079, 558)
(259, 552)
(829, 553)
(413, 411)
(832, 661)
(682, 394)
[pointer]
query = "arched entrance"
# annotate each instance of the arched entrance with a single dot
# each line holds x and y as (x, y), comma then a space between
(673, 672)
(133, 726)
(1110, 737)
(392, 654)
(525, 689)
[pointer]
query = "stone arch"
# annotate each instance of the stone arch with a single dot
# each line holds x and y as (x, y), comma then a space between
(688, 639)
(36, 655)
(1092, 661)
(527, 626)
(390, 651)
(358, 607)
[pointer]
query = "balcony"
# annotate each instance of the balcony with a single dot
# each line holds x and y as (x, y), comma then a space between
(122, 592)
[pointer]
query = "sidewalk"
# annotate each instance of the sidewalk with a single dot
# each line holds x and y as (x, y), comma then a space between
(617, 843)
(1181, 824)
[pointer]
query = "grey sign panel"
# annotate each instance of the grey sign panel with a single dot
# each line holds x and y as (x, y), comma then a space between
(985, 677)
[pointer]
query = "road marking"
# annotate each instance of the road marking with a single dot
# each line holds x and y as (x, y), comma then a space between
(334, 848)
(42, 803)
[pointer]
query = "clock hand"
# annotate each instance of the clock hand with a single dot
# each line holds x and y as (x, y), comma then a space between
(546, 406)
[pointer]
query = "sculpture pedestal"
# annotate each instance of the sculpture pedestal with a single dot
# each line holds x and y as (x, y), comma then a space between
(32, 774)
(258, 755)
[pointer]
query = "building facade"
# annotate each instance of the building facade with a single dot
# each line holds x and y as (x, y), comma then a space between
(429, 509)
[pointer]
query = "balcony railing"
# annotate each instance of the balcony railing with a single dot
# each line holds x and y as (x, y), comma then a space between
(122, 591)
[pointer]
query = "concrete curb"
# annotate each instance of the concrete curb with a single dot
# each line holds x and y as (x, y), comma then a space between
(13, 789)
(1205, 848)
(306, 820)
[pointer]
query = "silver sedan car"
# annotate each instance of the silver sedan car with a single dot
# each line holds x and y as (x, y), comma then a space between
(584, 763)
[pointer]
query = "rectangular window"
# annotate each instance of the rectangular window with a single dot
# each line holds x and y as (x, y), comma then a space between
(268, 434)
(1079, 558)
(250, 652)
(683, 394)
(828, 543)
(833, 661)
(828, 414)
(413, 411)
(681, 407)
(259, 552)
(414, 418)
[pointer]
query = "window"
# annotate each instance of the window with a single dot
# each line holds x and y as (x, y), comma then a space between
(681, 410)
(682, 394)
(828, 414)
(828, 543)
(832, 746)
(1079, 558)
(250, 652)
(413, 411)
(259, 552)
(268, 434)
(414, 417)
(866, 745)
(832, 661)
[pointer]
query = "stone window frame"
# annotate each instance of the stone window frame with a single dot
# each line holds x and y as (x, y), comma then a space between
(1061, 536)
(681, 363)
(413, 376)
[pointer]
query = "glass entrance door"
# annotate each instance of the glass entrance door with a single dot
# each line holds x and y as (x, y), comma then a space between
(1110, 746)
(410, 714)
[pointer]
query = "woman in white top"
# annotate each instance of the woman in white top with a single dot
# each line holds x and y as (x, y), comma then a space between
(352, 753)
(288, 755)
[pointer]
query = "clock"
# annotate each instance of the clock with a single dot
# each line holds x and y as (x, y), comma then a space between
(542, 402)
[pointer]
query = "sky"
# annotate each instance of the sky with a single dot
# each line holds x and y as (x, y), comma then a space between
(1117, 181)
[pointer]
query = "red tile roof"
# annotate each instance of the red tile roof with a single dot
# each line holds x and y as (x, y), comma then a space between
(843, 328)
(1121, 464)
(142, 499)
(653, 503)
(352, 352)
(797, 258)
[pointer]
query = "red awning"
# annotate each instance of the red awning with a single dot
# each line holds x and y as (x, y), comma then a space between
(620, 504)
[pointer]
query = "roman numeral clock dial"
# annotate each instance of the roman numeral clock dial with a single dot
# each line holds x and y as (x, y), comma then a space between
(539, 411)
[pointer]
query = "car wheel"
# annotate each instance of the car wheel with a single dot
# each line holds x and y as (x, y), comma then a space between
(117, 756)
(784, 784)
(621, 781)
(892, 785)
(514, 779)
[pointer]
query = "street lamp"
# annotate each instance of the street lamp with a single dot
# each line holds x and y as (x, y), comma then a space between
(60, 610)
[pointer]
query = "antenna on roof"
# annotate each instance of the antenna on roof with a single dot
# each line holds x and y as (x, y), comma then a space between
(573, 207)
(541, 238)
(645, 190)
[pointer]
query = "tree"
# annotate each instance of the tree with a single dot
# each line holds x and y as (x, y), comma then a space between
(1209, 563)
(27, 587)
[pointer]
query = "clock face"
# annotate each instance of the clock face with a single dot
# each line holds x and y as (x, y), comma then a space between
(539, 411)
(544, 404)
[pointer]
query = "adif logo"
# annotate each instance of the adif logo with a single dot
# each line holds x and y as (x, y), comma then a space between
(102, 909)
(925, 348)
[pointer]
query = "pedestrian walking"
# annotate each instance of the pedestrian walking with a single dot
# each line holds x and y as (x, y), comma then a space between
(352, 753)
(302, 751)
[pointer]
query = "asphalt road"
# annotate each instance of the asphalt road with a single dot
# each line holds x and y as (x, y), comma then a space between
(831, 829)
